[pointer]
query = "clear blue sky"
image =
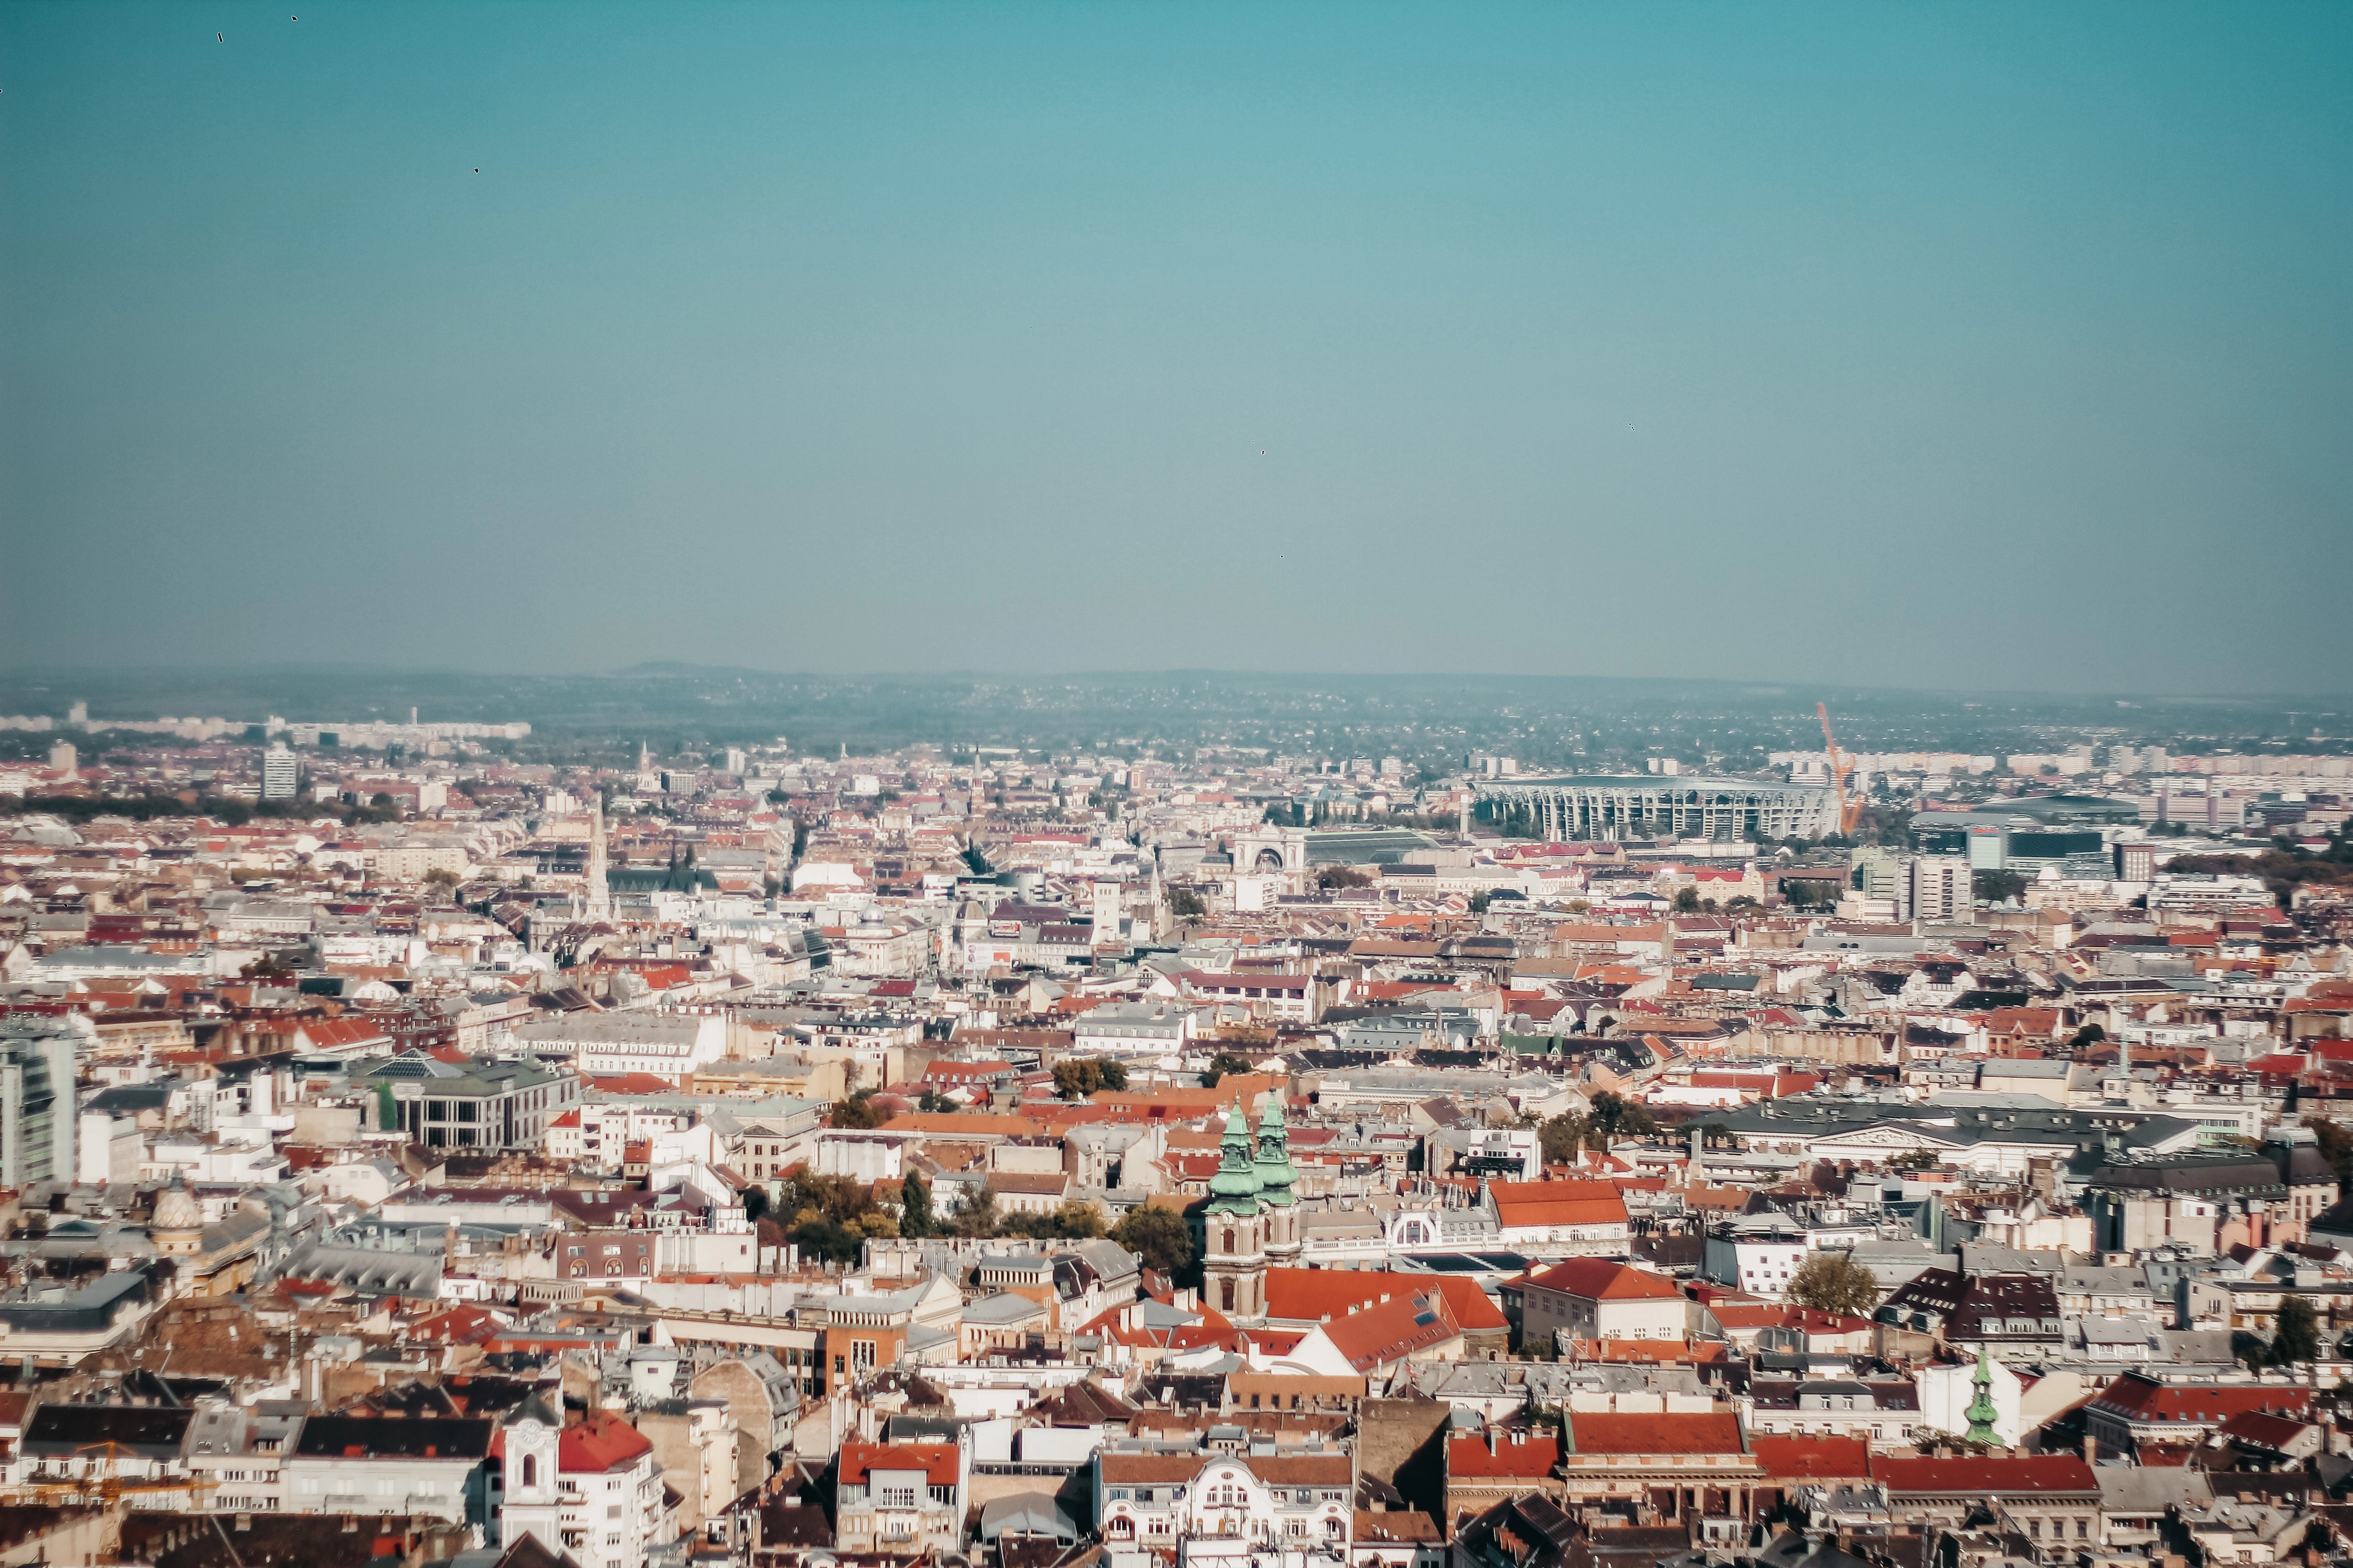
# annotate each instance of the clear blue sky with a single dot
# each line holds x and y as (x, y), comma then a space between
(1897, 345)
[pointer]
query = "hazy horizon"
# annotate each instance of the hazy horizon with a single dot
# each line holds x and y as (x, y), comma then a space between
(1998, 349)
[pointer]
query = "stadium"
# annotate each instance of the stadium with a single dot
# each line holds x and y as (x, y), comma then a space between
(1653, 806)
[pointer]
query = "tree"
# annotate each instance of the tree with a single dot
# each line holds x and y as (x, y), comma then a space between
(1076, 1078)
(1994, 887)
(443, 878)
(2295, 1334)
(1619, 1117)
(1161, 1238)
(978, 1218)
(1686, 900)
(1342, 877)
(915, 1216)
(1562, 1136)
(856, 1113)
(1185, 904)
(1833, 1283)
(932, 1102)
(1224, 1065)
(2089, 1034)
(755, 1205)
(266, 967)
(1479, 904)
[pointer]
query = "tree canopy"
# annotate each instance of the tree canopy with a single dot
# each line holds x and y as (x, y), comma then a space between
(1833, 1283)
(1162, 1239)
(1224, 1065)
(1075, 1078)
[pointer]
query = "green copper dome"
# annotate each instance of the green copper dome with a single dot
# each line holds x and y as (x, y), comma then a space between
(1275, 1172)
(1235, 1188)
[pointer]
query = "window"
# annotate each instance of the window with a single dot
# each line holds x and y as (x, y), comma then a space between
(531, 1470)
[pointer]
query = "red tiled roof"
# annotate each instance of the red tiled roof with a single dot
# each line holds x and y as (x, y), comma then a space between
(936, 1460)
(1812, 1459)
(1557, 1203)
(1518, 1454)
(603, 1442)
(1599, 1280)
(2136, 1398)
(1985, 1478)
(1698, 1432)
(1391, 1331)
(1310, 1295)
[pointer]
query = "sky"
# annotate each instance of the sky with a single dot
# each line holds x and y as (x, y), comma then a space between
(2000, 345)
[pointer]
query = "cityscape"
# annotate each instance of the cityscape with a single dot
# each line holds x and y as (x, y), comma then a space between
(1053, 786)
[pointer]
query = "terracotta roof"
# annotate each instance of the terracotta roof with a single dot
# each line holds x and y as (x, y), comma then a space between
(1812, 1459)
(1599, 1280)
(1392, 1330)
(1703, 1432)
(1557, 1203)
(603, 1442)
(2136, 1398)
(1517, 1454)
(1983, 1478)
(1310, 1295)
(936, 1460)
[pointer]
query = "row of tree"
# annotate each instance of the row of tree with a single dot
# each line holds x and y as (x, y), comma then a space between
(832, 1218)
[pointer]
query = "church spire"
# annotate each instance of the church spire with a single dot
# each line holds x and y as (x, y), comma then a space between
(1275, 1174)
(1235, 1188)
(600, 898)
(1981, 1412)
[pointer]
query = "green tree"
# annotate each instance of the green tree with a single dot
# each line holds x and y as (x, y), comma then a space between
(827, 1241)
(932, 1102)
(1993, 886)
(978, 1218)
(1562, 1136)
(2089, 1034)
(1076, 1078)
(1686, 900)
(1833, 1283)
(1185, 904)
(2295, 1334)
(855, 1113)
(1617, 1117)
(1480, 903)
(915, 1205)
(2335, 1147)
(1224, 1065)
(755, 1205)
(1162, 1239)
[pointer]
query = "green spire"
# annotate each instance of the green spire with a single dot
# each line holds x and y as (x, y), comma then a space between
(1235, 1188)
(1273, 1164)
(1981, 1413)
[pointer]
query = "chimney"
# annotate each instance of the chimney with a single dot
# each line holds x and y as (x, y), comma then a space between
(2090, 1449)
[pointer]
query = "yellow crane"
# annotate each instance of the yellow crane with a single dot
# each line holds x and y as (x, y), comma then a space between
(1841, 764)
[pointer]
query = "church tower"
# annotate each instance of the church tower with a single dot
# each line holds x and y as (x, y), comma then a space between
(1277, 1207)
(534, 1501)
(1233, 1251)
(600, 897)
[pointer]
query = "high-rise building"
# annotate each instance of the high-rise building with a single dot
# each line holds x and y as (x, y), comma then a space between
(281, 772)
(1943, 888)
(77, 714)
(63, 758)
(36, 1097)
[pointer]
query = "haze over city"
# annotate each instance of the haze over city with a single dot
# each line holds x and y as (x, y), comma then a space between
(1901, 346)
(1012, 786)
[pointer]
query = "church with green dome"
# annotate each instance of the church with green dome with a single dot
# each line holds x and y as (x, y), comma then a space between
(1251, 1221)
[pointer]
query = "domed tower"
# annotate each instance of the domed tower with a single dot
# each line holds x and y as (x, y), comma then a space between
(1278, 1208)
(177, 1225)
(1233, 1249)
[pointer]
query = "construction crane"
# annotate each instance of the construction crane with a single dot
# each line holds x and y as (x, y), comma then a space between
(1841, 764)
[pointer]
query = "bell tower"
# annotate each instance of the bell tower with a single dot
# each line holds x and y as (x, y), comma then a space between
(1277, 1207)
(1233, 1251)
(534, 1501)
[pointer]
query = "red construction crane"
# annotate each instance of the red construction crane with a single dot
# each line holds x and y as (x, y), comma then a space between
(1841, 764)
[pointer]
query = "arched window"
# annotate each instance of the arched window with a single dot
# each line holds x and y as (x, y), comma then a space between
(1227, 1289)
(1229, 1240)
(530, 1471)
